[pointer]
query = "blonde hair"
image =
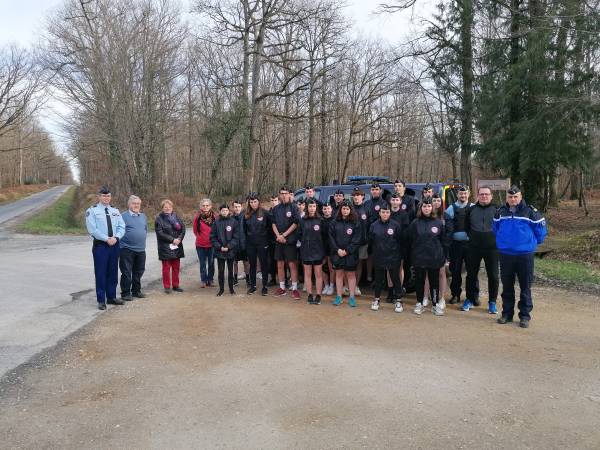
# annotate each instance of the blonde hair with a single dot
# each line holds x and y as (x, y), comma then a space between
(165, 202)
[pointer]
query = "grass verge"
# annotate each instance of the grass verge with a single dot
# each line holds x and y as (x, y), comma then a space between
(567, 271)
(56, 219)
(12, 194)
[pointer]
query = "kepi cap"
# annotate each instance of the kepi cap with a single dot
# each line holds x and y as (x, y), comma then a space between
(104, 190)
(514, 189)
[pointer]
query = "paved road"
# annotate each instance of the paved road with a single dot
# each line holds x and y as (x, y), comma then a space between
(47, 285)
(19, 209)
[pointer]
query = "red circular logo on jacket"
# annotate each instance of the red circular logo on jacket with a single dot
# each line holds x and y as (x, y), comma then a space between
(377, 207)
(363, 217)
(390, 231)
(403, 206)
(434, 230)
(228, 227)
(316, 228)
(349, 231)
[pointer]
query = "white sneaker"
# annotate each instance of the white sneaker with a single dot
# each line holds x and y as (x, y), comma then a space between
(346, 291)
(375, 305)
(438, 310)
(241, 276)
(425, 301)
(399, 308)
(259, 276)
(357, 292)
(419, 309)
(442, 304)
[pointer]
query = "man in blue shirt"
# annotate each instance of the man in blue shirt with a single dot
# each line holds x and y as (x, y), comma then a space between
(105, 224)
(132, 260)
(519, 228)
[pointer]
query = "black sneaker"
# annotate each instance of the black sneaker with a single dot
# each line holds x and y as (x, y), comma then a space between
(115, 301)
(310, 300)
(317, 300)
(524, 323)
(231, 291)
(251, 290)
(139, 295)
(264, 291)
(504, 319)
(220, 292)
(101, 306)
(127, 298)
(177, 289)
(454, 300)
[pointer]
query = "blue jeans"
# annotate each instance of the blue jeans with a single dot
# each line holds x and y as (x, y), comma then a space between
(207, 264)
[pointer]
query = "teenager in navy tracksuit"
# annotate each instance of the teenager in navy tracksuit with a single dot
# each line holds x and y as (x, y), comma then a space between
(386, 241)
(225, 238)
(429, 251)
(373, 205)
(345, 238)
(313, 235)
(519, 228)
(256, 230)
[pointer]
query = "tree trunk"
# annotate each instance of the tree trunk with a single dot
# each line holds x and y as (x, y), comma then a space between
(466, 58)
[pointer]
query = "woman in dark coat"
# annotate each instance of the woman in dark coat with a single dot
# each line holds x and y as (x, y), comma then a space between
(170, 231)
(256, 230)
(429, 252)
(312, 250)
(345, 237)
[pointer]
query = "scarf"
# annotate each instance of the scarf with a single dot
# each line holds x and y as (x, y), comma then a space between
(208, 218)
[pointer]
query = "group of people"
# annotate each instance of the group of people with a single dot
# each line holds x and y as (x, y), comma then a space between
(334, 243)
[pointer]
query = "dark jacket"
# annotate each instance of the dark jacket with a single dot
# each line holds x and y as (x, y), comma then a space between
(312, 235)
(257, 230)
(479, 223)
(344, 235)
(363, 218)
(225, 232)
(327, 224)
(385, 241)
(373, 206)
(242, 237)
(429, 243)
(283, 216)
(166, 233)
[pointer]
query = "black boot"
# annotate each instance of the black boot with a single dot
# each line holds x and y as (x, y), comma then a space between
(220, 292)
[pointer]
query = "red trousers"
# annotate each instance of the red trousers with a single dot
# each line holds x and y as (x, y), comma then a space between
(170, 269)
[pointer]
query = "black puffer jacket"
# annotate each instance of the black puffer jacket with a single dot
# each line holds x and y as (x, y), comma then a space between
(166, 233)
(344, 235)
(385, 241)
(257, 229)
(312, 236)
(225, 232)
(429, 243)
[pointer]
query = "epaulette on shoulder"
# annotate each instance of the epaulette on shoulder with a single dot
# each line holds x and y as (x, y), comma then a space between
(533, 208)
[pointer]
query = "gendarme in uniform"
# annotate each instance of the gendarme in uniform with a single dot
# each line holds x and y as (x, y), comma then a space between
(106, 226)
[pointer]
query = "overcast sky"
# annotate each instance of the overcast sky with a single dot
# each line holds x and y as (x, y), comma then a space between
(22, 22)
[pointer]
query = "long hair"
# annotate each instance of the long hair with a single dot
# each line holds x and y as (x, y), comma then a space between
(352, 217)
(250, 212)
(434, 213)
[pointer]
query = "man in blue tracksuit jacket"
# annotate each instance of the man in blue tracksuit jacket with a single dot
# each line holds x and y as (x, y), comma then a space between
(519, 228)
